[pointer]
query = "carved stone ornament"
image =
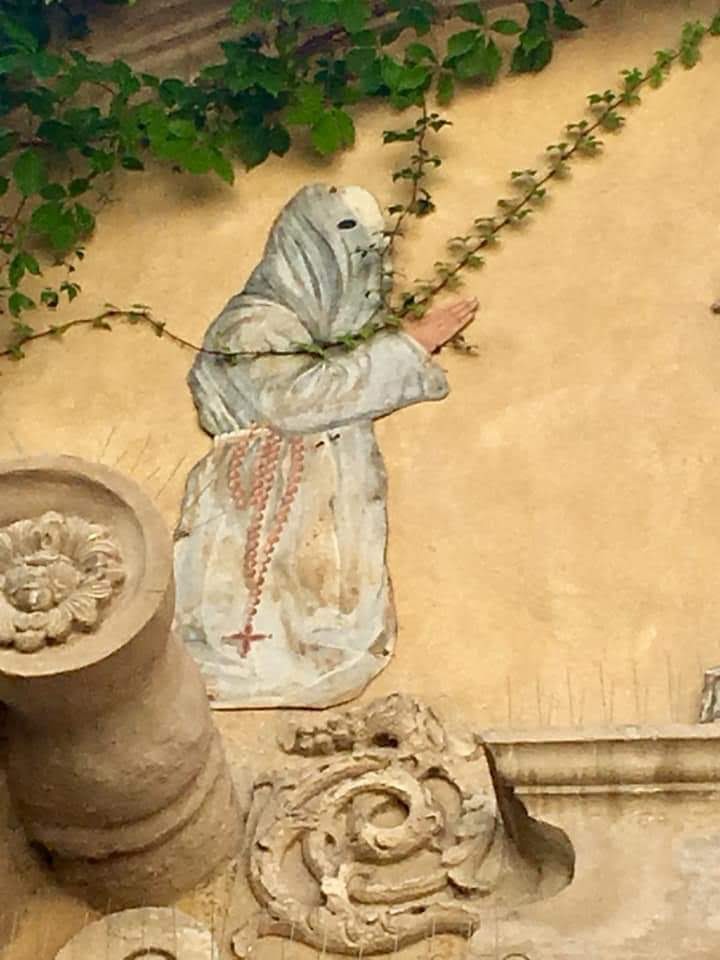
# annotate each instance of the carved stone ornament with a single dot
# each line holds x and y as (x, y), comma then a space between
(56, 572)
(390, 829)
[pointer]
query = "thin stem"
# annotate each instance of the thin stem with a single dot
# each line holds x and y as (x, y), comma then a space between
(417, 165)
(145, 318)
(11, 224)
(511, 215)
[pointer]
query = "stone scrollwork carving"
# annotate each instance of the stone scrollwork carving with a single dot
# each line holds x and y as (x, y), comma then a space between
(387, 828)
(56, 573)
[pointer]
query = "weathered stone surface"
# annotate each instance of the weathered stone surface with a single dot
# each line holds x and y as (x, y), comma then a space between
(154, 933)
(113, 763)
(57, 572)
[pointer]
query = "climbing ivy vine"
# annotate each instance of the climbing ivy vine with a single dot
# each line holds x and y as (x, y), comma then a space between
(295, 69)
(38, 189)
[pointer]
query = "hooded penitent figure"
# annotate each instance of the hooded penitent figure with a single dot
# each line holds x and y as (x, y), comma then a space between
(283, 596)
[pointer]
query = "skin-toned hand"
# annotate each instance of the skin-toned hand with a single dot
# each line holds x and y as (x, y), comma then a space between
(442, 323)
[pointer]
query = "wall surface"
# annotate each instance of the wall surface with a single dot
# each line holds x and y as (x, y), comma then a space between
(647, 885)
(555, 524)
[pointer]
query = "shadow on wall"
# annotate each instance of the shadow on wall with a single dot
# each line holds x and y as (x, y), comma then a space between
(20, 870)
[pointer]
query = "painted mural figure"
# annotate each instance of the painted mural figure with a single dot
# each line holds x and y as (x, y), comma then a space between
(284, 598)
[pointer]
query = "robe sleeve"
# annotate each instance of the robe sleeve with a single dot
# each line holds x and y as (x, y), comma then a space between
(302, 393)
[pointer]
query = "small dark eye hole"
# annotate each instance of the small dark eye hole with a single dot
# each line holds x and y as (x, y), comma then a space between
(347, 224)
(332, 190)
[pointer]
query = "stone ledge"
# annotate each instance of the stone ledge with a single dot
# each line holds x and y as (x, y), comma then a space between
(676, 758)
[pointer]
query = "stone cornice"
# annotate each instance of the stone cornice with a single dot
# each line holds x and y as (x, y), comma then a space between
(675, 758)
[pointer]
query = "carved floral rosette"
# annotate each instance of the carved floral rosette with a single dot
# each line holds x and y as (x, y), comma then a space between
(390, 830)
(57, 572)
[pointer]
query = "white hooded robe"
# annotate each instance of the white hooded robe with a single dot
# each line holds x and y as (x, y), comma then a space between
(283, 595)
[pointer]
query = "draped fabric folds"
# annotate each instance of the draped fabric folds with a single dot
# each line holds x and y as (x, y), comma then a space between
(283, 596)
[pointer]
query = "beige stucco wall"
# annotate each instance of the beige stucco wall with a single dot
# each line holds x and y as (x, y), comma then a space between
(555, 523)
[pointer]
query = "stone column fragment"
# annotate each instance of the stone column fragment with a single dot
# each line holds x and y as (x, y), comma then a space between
(114, 767)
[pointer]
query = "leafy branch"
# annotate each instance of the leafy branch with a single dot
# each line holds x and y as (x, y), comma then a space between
(582, 140)
(419, 203)
(140, 314)
(292, 70)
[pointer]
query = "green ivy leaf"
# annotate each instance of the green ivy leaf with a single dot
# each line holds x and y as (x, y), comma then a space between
(254, 143)
(532, 38)
(129, 162)
(535, 58)
(399, 136)
(360, 59)
(70, 289)
(363, 38)
(23, 262)
(29, 172)
(57, 224)
(44, 64)
(538, 13)
(31, 264)
(507, 28)
(353, 14)
(401, 78)
(390, 34)
(7, 141)
(493, 59)
(241, 11)
(192, 158)
(417, 52)
(445, 88)
(319, 13)
(84, 219)
(612, 121)
(50, 298)
(471, 13)
(334, 130)
(11, 63)
(415, 16)
(308, 105)
(57, 133)
(4, 184)
(53, 191)
(715, 26)
(183, 129)
(461, 43)
(689, 56)
(40, 101)
(564, 20)
(222, 166)
(16, 270)
(16, 34)
(482, 61)
(78, 186)
(279, 139)
(19, 302)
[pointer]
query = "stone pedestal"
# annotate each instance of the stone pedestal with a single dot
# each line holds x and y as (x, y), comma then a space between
(114, 765)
